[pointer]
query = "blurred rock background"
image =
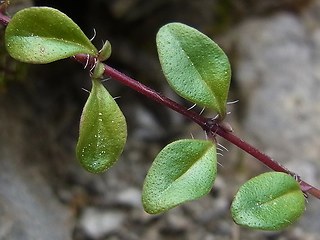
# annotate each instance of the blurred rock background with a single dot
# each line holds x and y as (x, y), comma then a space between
(274, 49)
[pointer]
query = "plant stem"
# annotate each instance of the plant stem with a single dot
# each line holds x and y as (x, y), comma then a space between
(4, 20)
(209, 125)
(305, 187)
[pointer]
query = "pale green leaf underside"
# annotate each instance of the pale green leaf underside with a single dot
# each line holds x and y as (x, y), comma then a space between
(184, 170)
(194, 65)
(43, 35)
(103, 131)
(270, 201)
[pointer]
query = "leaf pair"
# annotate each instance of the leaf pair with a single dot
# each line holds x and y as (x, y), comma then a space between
(198, 70)
(44, 35)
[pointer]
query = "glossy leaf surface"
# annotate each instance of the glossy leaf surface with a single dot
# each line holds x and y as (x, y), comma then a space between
(270, 201)
(184, 170)
(194, 65)
(103, 131)
(43, 35)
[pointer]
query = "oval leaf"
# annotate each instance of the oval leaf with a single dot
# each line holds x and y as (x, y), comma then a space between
(270, 201)
(103, 131)
(43, 35)
(194, 65)
(184, 170)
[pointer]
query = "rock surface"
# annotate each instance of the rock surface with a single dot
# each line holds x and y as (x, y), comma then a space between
(29, 209)
(278, 73)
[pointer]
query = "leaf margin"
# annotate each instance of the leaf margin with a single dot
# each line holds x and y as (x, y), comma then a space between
(23, 42)
(155, 203)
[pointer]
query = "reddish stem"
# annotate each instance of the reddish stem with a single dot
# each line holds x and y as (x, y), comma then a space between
(305, 187)
(4, 20)
(209, 125)
(139, 87)
(252, 151)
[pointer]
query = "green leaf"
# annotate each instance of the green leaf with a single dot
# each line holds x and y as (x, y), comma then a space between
(194, 65)
(270, 201)
(103, 131)
(43, 35)
(184, 170)
(105, 52)
(98, 70)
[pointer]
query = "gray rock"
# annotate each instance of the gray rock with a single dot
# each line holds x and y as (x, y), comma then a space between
(97, 223)
(130, 197)
(277, 75)
(277, 72)
(28, 208)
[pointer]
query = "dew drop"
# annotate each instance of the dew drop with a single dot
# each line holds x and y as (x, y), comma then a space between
(94, 164)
